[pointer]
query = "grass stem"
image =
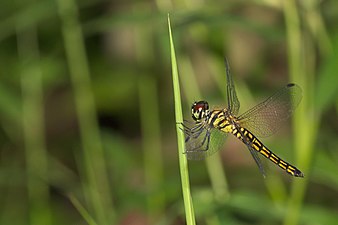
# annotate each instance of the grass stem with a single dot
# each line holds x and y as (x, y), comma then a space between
(33, 128)
(188, 204)
(98, 191)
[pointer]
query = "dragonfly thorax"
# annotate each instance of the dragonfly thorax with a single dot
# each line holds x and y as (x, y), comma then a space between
(200, 110)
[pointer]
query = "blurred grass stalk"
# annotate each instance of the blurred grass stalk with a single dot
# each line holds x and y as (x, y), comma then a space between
(150, 125)
(83, 212)
(33, 127)
(95, 184)
(188, 204)
(151, 141)
(301, 59)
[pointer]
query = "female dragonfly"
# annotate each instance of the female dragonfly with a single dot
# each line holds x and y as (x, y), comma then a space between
(210, 127)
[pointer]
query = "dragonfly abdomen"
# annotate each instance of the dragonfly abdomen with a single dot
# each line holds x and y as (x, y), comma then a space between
(262, 149)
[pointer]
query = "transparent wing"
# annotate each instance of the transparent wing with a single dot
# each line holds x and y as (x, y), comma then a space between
(233, 103)
(267, 117)
(255, 156)
(202, 142)
(253, 152)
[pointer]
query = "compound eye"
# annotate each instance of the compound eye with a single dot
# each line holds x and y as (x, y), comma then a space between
(199, 110)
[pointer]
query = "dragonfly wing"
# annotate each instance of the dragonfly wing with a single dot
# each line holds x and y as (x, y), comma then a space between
(233, 103)
(203, 143)
(267, 117)
(252, 151)
(257, 160)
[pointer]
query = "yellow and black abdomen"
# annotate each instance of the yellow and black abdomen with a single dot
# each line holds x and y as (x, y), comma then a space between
(259, 147)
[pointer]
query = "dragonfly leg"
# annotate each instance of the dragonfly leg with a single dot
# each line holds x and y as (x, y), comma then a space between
(187, 130)
(197, 133)
(190, 130)
(208, 142)
(194, 132)
(193, 135)
(193, 129)
(186, 122)
(199, 148)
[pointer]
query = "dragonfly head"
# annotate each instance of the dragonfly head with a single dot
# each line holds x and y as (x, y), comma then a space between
(199, 110)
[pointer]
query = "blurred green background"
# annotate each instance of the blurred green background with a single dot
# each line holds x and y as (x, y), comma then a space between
(87, 112)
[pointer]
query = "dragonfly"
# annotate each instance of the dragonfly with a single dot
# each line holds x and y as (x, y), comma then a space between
(206, 134)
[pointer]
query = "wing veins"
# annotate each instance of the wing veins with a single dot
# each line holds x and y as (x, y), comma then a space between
(267, 117)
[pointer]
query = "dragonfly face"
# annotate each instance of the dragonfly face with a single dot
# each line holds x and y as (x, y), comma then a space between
(208, 133)
(200, 111)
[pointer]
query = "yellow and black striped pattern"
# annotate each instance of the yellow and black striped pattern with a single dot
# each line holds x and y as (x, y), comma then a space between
(259, 147)
(219, 120)
(226, 123)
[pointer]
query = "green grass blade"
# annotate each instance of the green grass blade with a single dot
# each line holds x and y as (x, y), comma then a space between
(81, 209)
(96, 185)
(188, 205)
(294, 39)
(151, 144)
(33, 129)
(302, 58)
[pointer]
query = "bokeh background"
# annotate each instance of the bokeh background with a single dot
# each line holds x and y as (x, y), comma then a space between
(87, 125)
